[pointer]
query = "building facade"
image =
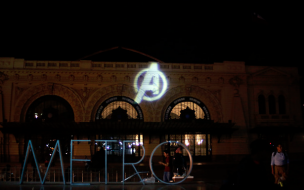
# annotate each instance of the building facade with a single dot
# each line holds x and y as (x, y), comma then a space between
(214, 109)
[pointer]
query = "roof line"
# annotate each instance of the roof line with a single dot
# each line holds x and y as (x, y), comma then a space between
(129, 49)
(135, 51)
(101, 51)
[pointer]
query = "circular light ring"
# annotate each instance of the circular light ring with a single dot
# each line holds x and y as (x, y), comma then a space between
(165, 85)
(190, 158)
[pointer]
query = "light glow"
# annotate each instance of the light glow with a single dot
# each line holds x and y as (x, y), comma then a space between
(187, 142)
(151, 82)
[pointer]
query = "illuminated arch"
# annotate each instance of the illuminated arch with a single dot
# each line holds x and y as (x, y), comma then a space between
(50, 108)
(133, 109)
(31, 94)
(201, 111)
(102, 94)
(209, 99)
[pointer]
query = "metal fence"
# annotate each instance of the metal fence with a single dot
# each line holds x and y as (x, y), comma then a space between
(114, 174)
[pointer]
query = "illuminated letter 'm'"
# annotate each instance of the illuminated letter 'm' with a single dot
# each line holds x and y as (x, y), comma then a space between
(30, 146)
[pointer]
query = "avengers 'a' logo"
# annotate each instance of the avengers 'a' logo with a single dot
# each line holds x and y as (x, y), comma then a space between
(152, 86)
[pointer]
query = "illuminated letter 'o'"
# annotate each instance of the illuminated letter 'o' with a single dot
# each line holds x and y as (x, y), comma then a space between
(190, 157)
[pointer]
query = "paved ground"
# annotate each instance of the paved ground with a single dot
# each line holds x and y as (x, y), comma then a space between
(157, 186)
(207, 176)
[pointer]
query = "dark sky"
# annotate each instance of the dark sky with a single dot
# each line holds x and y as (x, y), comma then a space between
(171, 32)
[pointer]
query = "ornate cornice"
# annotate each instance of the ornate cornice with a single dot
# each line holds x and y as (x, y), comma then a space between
(3, 77)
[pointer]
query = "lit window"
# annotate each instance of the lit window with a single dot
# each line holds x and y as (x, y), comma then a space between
(107, 112)
(176, 111)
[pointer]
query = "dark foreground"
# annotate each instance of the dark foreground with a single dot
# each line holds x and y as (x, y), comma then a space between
(114, 186)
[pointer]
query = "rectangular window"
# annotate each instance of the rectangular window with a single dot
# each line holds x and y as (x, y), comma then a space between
(108, 65)
(52, 64)
(196, 143)
(143, 66)
(208, 67)
(40, 64)
(119, 65)
(96, 65)
(29, 64)
(74, 65)
(131, 65)
(115, 148)
(63, 64)
(164, 66)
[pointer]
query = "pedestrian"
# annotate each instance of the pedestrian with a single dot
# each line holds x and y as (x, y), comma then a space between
(178, 162)
(167, 172)
(279, 165)
(98, 163)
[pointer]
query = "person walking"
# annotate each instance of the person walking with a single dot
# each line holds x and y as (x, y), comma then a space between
(167, 172)
(179, 162)
(279, 165)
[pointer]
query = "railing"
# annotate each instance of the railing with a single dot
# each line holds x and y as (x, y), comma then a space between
(80, 175)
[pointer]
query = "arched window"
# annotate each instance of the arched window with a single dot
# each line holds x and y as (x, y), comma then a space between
(272, 104)
(262, 104)
(119, 108)
(50, 108)
(187, 108)
(282, 106)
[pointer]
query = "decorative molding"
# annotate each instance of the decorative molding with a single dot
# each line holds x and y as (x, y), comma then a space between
(71, 77)
(113, 78)
(195, 79)
(44, 77)
(182, 79)
(30, 77)
(221, 80)
(127, 78)
(235, 81)
(208, 98)
(208, 80)
(28, 96)
(3, 77)
(102, 94)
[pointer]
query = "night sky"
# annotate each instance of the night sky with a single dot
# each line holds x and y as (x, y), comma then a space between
(257, 33)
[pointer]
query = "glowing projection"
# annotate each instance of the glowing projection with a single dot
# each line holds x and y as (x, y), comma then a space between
(30, 147)
(153, 86)
(57, 146)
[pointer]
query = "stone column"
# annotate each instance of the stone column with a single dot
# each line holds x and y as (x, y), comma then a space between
(3, 78)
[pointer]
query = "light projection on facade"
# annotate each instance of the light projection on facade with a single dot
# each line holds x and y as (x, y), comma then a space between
(150, 84)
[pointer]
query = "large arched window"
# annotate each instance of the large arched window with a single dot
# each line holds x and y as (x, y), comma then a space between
(50, 108)
(272, 104)
(282, 106)
(262, 104)
(187, 108)
(119, 108)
